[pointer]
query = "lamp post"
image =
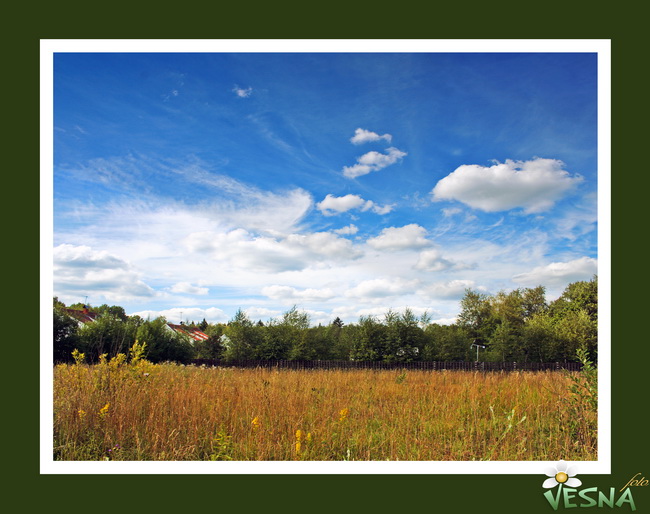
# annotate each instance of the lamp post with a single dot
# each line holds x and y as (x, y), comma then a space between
(477, 347)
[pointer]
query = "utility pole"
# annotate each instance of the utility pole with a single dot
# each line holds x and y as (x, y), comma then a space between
(477, 347)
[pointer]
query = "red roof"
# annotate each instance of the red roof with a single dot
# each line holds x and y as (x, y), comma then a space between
(194, 333)
(84, 316)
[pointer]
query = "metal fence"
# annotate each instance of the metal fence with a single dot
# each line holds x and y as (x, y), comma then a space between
(418, 365)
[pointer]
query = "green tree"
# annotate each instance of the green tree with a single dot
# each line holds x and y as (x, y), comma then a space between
(113, 311)
(575, 318)
(540, 338)
(446, 343)
(404, 339)
(108, 335)
(213, 347)
(367, 339)
(66, 335)
(164, 343)
(476, 317)
(241, 341)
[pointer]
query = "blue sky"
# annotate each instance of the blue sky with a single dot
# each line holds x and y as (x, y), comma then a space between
(195, 184)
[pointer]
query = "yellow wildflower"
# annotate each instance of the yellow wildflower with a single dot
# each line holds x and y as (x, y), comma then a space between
(298, 440)
(81, 413)
(256, 422)
(343, 415)
(104, 410)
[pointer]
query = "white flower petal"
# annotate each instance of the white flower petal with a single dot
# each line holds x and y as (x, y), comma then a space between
(561, 466)
(549, 482)
(550, 472)
(573, 482)
(572, 471)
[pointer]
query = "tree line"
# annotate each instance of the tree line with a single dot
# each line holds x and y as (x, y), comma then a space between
(515, 326)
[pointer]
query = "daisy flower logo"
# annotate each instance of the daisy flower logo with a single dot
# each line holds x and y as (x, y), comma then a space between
(562, 473)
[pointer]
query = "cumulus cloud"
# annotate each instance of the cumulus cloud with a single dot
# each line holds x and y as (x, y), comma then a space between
(452, 290)
(243, 250)
(258, 313)
(333, 205)
(287, 293)
(188, 288)
(533, 185)
(432, 260)
(350, 230)
(80, 270)
(400, 238)
(373, 161)
(365, 136)
(382, 288)
(559, 273)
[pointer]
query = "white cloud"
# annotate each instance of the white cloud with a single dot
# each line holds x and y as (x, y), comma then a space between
(350, 230)
(242, 92)
(432, 260)
(80, 271)
(559, 273)
(242, 250)
(365, 136)
(373, 161)
(378, 209)
(382, 288)
(451, 211)
(400, 238)
(454, 289)
(188, 288)
(333, 205)
(533, 185)
(177, 314)
(287, 293)
(261, 313)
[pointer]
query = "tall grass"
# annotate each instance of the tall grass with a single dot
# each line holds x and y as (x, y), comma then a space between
(169, 412)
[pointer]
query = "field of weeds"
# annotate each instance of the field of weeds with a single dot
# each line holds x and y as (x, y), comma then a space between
(147, 412)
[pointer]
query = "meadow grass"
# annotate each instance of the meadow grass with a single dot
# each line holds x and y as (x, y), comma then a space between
(157, 412)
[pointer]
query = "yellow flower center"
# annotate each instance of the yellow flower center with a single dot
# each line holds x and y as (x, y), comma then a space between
(561, 477)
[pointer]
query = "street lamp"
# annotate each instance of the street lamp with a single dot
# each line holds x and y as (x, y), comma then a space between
(477, 347)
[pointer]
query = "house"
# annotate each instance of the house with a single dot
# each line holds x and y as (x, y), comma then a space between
(193, 333)
(83, 316)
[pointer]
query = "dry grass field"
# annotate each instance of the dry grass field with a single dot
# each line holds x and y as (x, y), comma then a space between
(148, 412)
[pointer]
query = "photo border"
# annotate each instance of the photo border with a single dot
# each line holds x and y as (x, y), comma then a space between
(600, 46)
